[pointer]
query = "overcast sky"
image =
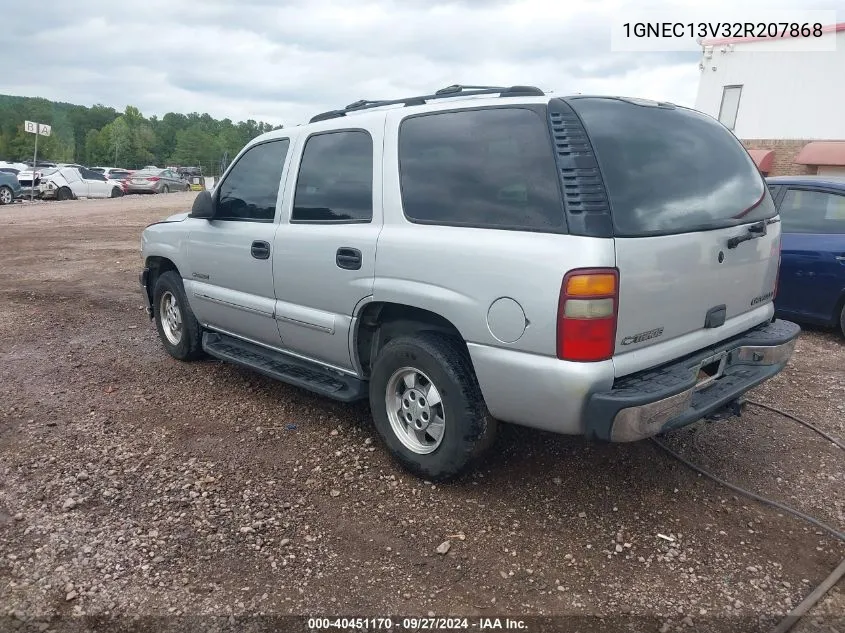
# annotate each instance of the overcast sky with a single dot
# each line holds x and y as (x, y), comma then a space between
(284, 60)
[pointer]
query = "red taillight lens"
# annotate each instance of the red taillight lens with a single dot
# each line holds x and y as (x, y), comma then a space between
(153, 178)
(587, 310)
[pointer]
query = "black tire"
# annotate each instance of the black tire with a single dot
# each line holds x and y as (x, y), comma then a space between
(7, 196)
(189, 345)
(165, 189)
(116, 192)
(842, 319)
(64, 194)
(469, 428)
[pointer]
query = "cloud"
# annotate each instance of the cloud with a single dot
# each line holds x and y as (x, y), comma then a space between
(284, 60)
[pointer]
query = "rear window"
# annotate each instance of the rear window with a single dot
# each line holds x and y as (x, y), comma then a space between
(671, 170)
(489, 168)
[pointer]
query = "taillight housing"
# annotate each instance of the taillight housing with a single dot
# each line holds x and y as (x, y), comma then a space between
(153, 178)
(587, 314)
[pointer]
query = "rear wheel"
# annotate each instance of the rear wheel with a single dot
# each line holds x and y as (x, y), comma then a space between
(6, 195)
(64, 194)
(427, 405)
(842, 319)
(165, 189)
(178, 328)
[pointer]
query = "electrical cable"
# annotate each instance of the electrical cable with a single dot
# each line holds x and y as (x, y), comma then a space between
(748, 493)
(809, 425)
(793, 617)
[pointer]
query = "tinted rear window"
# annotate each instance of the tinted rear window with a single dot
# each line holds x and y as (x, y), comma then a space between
(491, 168)
(671, 170)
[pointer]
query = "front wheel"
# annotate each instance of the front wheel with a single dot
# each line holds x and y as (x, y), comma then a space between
(178, 328)
(427, 405)
(6, 195)
(842, 320)
(116, 192)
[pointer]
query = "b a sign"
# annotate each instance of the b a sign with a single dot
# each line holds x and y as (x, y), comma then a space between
(37, 128)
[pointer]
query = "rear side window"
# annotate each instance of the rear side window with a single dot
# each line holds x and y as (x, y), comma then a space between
(335, 182)
(490, 168)
(671, 170)
(251, 187)
(805, 211)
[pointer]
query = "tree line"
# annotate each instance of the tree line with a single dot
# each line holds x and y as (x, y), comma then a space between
(100, 135)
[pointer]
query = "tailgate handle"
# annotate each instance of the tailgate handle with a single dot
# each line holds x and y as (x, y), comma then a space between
(716, 316)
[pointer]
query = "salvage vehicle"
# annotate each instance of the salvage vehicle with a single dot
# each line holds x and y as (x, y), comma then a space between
(10, 188)
(811, 285)
(155, 181)
(589, 265)
(68, 183)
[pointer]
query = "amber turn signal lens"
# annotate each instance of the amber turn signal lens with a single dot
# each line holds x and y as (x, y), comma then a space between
(590, 285)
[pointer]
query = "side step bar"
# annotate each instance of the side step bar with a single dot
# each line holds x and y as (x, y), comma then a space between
(294, 371)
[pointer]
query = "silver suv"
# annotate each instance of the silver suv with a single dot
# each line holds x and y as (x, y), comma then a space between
(584, 265)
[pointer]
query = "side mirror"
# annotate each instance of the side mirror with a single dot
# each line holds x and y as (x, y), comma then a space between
(203, 206)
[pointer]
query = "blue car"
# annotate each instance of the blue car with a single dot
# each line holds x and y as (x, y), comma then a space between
(10, 188)
(811, 286)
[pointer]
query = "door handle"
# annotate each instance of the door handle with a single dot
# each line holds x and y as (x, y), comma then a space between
(348, 258)
(260, 250)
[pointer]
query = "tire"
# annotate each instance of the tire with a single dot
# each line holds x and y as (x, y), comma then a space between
(185, 341)
(116, 192)
(468, 430)
(64, 194)
(6, 195)
(165, 189)
(842, 319)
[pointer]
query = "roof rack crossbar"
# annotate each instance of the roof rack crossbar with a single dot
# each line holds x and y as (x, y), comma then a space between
(448, 91)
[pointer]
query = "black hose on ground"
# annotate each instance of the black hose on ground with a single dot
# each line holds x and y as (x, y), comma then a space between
(748, 493)
(809, 425)
(828, 583)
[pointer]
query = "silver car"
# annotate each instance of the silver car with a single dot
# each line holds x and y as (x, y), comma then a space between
(155, 181)
(586, 265)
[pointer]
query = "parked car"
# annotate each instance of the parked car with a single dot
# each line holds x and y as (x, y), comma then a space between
(583, 265)
(30, 180)
(114, 173)
(155, 181)
(10, 188)
(67, 183)
(811, 286)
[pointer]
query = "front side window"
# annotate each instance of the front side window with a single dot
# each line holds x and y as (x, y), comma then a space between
(335, 182)
(490, 168)
(251, 188)
(806, 211)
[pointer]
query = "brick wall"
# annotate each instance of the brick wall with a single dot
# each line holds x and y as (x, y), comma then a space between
(785, 152)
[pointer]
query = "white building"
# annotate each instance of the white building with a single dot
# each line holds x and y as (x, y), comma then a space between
(784, 101)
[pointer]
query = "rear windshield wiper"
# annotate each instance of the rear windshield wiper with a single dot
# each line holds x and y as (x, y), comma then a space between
(758, 229)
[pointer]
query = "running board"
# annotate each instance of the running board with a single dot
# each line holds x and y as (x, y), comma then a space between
(296, 372)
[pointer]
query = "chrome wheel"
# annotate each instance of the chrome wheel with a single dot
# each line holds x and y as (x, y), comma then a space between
(5, 195)
(171, 318)
(415, 410)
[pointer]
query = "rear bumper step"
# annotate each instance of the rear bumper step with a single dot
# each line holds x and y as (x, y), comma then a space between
(286, 368)
(698, 386)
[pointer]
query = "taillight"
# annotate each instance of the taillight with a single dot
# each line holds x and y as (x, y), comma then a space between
(586, 320)
(153, 178)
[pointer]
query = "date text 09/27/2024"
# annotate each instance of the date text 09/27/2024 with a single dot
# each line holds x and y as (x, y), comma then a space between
(723, 29)
(415, 624)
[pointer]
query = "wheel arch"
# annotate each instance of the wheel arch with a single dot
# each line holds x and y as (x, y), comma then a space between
(377, 322)
(157, 265)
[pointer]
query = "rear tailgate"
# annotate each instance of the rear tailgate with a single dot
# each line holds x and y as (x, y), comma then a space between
(681, 188)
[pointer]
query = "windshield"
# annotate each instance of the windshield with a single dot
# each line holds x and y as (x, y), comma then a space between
(671, 170)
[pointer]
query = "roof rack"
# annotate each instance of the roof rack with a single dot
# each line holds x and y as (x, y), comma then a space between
(448, 91)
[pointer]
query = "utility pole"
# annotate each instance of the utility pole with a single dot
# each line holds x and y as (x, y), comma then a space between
(39, 129)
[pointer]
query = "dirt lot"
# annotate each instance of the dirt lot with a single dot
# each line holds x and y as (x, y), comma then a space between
(135, 485)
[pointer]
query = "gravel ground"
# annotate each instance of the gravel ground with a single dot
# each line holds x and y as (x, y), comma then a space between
(136, 486)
